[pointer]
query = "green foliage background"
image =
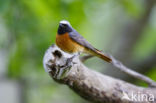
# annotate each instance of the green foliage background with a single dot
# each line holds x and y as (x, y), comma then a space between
(28, 28)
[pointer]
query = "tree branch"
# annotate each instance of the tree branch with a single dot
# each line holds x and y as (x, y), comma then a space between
(132, 73)
(90, 84)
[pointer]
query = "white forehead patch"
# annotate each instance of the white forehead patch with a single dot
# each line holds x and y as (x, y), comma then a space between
(64, 22)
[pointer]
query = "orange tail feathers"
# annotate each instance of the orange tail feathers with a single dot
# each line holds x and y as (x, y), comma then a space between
(101, 55)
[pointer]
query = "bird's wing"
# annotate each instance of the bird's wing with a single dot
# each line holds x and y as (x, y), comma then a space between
(75, 36)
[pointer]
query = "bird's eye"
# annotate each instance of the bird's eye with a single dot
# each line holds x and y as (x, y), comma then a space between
(64, 25)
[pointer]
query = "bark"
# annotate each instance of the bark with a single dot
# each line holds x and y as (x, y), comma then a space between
(91, 85)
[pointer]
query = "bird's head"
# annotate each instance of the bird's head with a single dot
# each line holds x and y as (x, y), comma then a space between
(64, 27)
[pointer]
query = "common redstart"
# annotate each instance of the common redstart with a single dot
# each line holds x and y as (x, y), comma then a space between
(70, 41)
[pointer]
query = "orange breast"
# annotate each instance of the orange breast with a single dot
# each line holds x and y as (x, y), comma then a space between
(66, 44)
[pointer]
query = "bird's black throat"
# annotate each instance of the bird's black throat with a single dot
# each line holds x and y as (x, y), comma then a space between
(62, 29)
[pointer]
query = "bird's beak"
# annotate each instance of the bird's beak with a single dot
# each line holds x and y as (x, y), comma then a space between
(61, 25)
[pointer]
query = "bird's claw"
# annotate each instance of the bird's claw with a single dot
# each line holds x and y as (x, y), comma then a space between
(64, 69)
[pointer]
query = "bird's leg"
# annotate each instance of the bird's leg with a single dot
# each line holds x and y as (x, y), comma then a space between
(76, 55)
(69, 60)
(66, 67)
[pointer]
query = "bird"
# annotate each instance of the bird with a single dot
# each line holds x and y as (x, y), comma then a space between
(70, 41)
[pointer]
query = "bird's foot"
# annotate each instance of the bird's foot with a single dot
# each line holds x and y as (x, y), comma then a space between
(64, 69)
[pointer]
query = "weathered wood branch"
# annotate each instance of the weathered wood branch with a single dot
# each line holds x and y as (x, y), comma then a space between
(90, 84)
(132, 73)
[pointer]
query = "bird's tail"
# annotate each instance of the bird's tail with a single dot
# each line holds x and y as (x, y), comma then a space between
(101, 55)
